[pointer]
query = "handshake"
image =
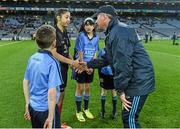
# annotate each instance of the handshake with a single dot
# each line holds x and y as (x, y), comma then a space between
(81, 66)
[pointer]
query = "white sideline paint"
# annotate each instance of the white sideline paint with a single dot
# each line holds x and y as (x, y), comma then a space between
(1, 45)
(147, 50)
(164, 53)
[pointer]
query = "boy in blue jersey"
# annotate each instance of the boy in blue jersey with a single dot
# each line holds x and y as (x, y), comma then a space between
(41, 82)
(85, 50)
(106, 82)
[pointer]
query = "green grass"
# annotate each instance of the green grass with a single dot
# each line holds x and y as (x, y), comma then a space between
(160, 111)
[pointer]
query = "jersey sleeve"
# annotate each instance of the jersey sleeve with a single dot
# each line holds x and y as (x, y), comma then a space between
(55, 78)
(58, 39)
(79, 46)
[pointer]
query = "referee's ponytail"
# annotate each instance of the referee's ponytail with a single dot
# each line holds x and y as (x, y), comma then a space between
(59, 13)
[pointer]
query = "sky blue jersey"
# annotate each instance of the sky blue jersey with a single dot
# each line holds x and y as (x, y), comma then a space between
(42, 72)
(105, 70)
(88, 46)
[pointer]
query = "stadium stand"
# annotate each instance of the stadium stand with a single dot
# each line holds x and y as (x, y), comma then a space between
(20, 18)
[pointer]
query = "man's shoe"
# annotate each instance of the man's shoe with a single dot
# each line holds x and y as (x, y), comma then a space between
(80, 116)
(88, 114)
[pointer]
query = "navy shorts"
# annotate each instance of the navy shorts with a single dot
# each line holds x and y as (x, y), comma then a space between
(64, 73)
(106, 81)
(84, 77)
(38, 118)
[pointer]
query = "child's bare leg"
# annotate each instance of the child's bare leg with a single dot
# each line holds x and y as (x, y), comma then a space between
(61, 100)
(86, 96)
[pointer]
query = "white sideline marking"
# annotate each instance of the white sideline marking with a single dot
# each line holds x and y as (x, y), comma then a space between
(9, 43)
(147, 50)
(164, 53)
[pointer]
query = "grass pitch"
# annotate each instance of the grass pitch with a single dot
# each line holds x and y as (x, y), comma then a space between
(160, 111)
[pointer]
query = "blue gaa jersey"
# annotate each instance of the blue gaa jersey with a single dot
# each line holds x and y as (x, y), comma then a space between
(43, 73)
(105, 70)
(88, 46)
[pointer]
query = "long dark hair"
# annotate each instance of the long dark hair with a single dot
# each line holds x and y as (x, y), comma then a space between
(59, 13)
(85, 22)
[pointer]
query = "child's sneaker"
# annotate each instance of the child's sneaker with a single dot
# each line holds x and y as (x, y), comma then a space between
(80, 116)
(88, 114)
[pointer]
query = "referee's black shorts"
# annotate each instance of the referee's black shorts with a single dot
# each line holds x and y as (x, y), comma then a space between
(84, 77)
(64, 74)
(106, 81)
(38, 118)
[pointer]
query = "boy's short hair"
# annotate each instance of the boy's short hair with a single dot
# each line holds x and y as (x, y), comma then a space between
(45, 36)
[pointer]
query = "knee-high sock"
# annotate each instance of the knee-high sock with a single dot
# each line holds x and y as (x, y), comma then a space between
(86, 101)
(114, 102)
(78, 103)
(103, 101)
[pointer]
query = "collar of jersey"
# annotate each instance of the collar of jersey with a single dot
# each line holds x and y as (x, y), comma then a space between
(44, 51)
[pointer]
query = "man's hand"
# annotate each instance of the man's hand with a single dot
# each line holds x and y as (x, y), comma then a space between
(48, 124)
(82, 67)
(27, 114)
(75, 64)
(89, 71)
(125, 103)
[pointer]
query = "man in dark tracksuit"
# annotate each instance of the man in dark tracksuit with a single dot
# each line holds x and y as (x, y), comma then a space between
(146, 37)
(132, 69)
(174, 38)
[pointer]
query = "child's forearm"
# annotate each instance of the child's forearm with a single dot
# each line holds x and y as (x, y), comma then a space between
(94, 57)
(26, 91)
(51, 102)
(61, 58)
(70, 57)
(80, 54)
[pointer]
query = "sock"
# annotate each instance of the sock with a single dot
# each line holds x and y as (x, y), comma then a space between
(114, 101)
(103, 101)
(78, 103)
(86, 101)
